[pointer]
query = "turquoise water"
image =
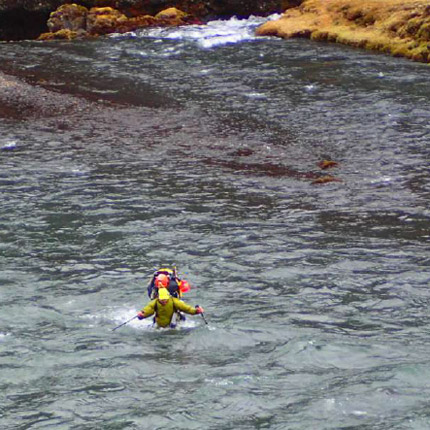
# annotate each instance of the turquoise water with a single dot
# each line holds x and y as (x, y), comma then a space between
(199, 147)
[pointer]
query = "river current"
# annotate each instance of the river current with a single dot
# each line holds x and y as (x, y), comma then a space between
(203, 152)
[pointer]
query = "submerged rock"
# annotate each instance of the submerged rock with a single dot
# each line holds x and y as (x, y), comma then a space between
(327, 164)
(397, 27)
(325, 179)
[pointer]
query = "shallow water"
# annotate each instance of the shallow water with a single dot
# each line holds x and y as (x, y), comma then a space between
(316, 296)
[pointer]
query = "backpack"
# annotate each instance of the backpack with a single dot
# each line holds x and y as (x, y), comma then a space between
(173, 287)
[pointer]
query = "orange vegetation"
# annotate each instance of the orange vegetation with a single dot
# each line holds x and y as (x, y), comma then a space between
(396, 27)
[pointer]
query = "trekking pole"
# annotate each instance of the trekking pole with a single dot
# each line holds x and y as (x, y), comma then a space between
(124, 323)
(204, 319)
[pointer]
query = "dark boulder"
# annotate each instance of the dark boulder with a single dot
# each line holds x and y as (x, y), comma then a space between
(245, 8)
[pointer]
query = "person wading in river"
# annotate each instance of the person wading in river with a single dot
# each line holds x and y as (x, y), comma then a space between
(164, 307)
(170, 280)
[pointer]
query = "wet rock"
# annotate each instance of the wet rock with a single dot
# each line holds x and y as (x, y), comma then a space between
(71, 17)
(72, 21)
(137, 22)
(62, 35)
(104, 20)
(171, 16)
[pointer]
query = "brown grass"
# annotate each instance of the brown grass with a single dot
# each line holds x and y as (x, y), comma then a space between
(395, 27)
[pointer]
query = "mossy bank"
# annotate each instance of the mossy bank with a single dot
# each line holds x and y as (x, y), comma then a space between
(396, 27)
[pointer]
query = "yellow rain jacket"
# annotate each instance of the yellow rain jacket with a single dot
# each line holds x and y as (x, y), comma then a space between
(164, 313)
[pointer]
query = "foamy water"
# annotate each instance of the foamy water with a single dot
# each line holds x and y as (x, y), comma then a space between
(214, 33)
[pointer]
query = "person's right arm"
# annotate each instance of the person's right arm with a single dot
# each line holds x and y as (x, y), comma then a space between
(147, 311)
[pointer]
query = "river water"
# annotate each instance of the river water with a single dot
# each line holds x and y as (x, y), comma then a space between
(200, 147)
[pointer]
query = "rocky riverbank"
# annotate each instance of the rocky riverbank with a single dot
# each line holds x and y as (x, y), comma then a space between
(71, 21)
(396, 27)
(27, 19)
(25, 100)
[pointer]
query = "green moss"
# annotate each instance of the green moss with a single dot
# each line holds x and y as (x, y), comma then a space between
(325, 36)
(421, 53)
(360, 17)
(319, 35)
(395, 26)
(424, 32)
(331, 37)
(373, 45)
(412, 26)
(401, 51)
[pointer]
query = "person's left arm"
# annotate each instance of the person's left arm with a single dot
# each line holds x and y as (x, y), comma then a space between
(181, 306)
